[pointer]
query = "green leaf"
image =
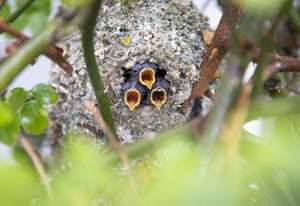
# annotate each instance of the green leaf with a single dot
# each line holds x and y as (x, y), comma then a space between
(33, 117)
(40, 6)
(37, 21)
(20, 23)
(9, 125)
(5, 11)
(16, 98)
(8, 133)
(26, 20)
(6, 116)
(44, 93)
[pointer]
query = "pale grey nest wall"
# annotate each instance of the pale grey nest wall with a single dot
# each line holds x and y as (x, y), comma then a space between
(162, 31)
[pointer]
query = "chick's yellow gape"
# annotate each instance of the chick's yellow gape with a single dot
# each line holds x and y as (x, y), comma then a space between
(145, 84)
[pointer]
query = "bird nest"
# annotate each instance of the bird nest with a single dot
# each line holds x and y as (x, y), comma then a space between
(163, 33)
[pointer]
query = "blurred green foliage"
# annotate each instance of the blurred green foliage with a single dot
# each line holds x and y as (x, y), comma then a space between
(19, 185)
(260, 7)
(33, 18)
(264, 173)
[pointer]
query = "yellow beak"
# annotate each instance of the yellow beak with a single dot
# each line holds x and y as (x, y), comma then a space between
(158, 97)
(132, 98)
(147, 77)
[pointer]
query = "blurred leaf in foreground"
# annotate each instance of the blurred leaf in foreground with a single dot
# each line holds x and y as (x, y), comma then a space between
(261, 7)
(19, 185)
(9, 124)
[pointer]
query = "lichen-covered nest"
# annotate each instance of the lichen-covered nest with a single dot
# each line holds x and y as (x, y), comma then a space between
(164, 32)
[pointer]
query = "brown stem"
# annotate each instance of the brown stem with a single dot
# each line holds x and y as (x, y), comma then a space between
(233, 126)
(216, 51)
(281, 64)
(54, 53)
(112, 138)
(277, 64)
(37, 164)
(8, 29)
(114, 142)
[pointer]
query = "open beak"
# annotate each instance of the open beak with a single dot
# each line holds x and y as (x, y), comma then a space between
(132, 98)
(158, 97)
(147, 77)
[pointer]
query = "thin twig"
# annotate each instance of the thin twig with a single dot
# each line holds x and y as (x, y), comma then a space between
(13, 65)
(281, 64)
(4, 27)
(216, 51)
(53, 52)
(211, 129)
(37, 164)
(277, 63)
(114, 143)
(267, 40)
(19, 11)
(232, 128)
(112, 138)
(161, 140)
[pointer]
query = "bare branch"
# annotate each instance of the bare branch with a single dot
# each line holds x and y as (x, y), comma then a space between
(37, 164)
(216, 51)
(277, 64)
(281, 64)
(53, 52)
(112, 138)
